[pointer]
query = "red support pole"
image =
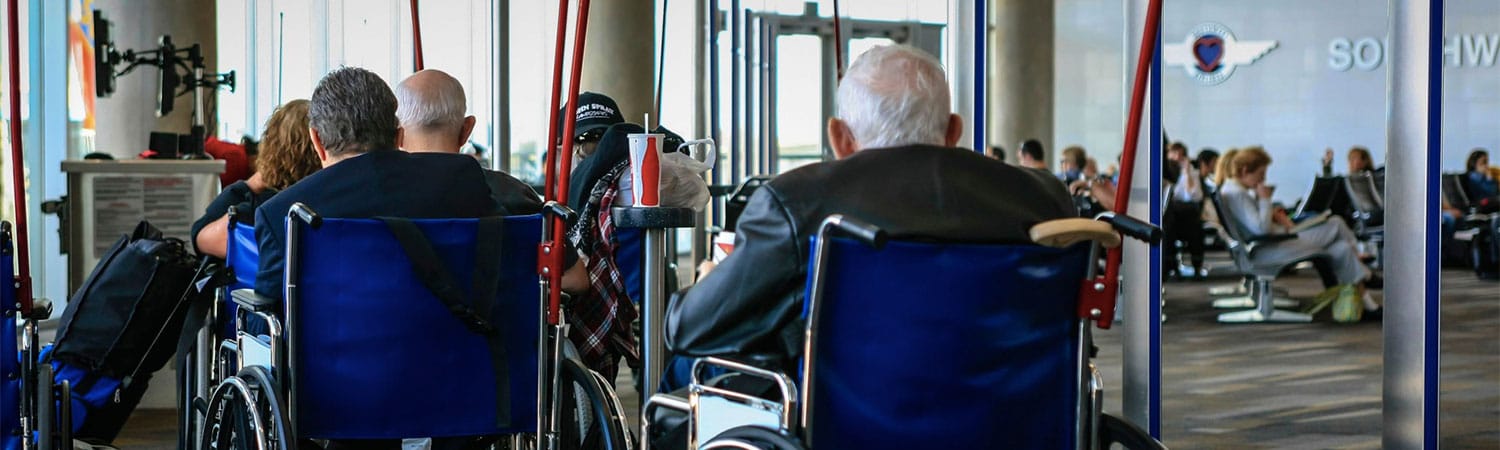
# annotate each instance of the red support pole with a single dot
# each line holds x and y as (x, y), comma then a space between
(23, 254)
(549, 168)
(1102, 298)
(416, 36)
(559, 161)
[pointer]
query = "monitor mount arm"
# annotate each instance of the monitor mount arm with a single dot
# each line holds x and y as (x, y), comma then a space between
(170, 59)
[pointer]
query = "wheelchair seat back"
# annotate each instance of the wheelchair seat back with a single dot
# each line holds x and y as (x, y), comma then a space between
(922, 345)
(242, 255)
(374, 355)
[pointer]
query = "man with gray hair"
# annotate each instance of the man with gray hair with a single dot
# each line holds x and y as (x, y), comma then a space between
(897, 169)
(431, 108)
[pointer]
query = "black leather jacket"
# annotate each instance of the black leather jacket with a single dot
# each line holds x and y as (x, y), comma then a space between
(751, 302)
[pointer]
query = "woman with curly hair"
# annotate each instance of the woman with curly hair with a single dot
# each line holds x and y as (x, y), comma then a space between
(286, 155)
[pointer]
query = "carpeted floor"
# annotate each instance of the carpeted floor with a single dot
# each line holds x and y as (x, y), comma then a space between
(1305, 386)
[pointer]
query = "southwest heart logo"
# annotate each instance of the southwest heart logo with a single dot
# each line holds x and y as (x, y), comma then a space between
(1209, 50)
(1211, 53)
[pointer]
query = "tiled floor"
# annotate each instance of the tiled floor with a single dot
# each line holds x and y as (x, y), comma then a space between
(1309, 386)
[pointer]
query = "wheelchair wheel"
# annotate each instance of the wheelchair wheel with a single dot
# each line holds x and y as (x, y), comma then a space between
(1114, 430)
(753, 437)
(591, 417)
(244, 413)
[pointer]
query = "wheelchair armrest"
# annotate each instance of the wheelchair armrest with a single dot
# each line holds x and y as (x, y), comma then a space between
(654, 217)
(250, 301)
(783, 383)
(1066, 232)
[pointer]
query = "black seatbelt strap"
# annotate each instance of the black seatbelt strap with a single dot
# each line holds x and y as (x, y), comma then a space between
(475, 315)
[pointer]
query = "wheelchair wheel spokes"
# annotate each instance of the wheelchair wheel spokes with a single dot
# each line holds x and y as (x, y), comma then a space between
(245, 413)
(601, 425)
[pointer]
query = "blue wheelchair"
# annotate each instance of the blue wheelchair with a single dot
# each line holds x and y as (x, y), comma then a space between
(915, 344)
(214, 355)
(377, 340)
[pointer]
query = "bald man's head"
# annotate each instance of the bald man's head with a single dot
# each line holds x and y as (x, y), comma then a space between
(431, 107)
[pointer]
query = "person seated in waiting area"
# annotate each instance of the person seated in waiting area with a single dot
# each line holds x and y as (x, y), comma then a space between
(1247, 199)
(1031, 155)
(354, 128)
(288, 156)
(1208, 162)
(1073, 160)
(1359, 158)
(1480, 182)
(1183, 219)
(896, 169)
(431, 107)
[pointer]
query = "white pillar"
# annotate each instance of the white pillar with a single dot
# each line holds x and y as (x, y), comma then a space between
(1021, 79)
(1413, 102)
(619, 55)
(1140, 299)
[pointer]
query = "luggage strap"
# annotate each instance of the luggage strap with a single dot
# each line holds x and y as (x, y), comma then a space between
(476, 314)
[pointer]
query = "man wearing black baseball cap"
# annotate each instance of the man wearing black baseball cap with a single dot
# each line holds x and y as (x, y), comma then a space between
(596, 112)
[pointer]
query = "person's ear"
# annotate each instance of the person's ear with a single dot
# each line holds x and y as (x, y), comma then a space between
(955, 130)
(318, 145)
(841, 138)
(468, 129)
(401, 138)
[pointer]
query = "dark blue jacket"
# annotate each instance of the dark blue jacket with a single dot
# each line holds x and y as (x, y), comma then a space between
(387, 183)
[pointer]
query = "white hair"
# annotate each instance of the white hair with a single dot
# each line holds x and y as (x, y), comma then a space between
(895, 95)
(430, 100)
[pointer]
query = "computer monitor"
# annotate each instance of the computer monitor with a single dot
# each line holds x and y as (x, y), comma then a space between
(105, 57)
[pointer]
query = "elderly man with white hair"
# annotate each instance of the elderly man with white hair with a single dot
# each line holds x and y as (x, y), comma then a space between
(432, 110)
(896, 169)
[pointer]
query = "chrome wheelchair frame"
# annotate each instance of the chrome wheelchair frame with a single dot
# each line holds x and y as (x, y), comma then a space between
(791, 416)
(252, 370)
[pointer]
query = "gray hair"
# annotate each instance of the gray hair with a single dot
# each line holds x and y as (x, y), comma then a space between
(895, 95)
(353, 111)
(430, 100)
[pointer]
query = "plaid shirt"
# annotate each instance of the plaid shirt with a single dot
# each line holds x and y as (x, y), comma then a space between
(601, 318)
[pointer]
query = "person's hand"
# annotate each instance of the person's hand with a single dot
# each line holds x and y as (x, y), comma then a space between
(1078, 187)
(1327, 156)
(1280, 217)
(1263, 191)
(705, 267)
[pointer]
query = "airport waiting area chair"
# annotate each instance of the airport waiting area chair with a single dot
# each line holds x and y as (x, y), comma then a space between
(381, 340)
(1241, 248)
(919, 344)
(1367, 207)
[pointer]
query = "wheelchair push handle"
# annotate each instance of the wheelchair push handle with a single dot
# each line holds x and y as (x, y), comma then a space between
(555, 209)
(304, 213)
(1132, 227)
(868, 234)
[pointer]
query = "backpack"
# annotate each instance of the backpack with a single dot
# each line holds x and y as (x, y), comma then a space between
(111, 335)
